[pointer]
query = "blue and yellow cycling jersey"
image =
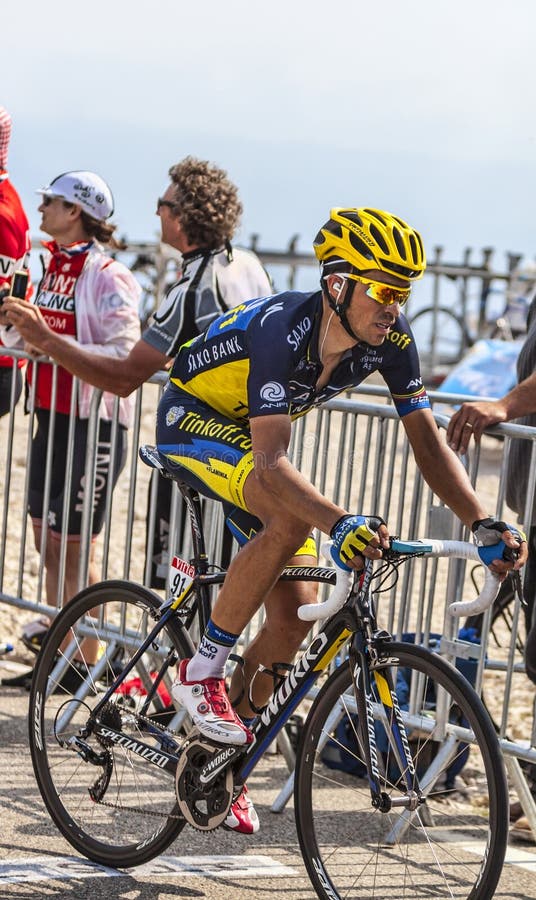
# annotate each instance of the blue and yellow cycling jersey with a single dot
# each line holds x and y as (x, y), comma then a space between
(262, 359)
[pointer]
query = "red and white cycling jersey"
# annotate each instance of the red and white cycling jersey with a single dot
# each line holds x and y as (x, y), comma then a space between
(14, 241)
(93, 301)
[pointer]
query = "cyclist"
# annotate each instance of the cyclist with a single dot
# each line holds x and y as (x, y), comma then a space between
(225, 418)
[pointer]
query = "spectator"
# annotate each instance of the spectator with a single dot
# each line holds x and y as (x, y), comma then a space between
(92, 301)
(199, 214)
(472, 419)
(14, 254)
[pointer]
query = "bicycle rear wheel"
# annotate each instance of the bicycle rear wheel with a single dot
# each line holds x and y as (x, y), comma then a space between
(453, 845)
(105, 795)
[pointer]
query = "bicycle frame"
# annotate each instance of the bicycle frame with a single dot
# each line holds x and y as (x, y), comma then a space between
(357, 619)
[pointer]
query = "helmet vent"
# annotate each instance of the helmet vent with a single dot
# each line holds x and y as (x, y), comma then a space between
(376, 214)
(399, 241)
(379, 238)
(360, 246)
(333, 228)
(419, 253)
(397, 269)
(352, 216)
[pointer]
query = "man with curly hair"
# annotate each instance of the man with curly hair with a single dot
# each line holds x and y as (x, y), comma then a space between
(199, 213)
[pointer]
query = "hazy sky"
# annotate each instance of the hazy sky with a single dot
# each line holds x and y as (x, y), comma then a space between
(426, 109)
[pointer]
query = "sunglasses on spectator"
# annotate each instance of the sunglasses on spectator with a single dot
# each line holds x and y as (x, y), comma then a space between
(168, 203)
(47, 199)
(383, 293)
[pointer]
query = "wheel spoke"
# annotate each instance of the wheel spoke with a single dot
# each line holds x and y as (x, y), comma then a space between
(109, 795)
(452, 845)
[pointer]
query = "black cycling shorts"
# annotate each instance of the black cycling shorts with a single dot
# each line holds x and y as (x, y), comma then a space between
(212, 454)
(75, 499)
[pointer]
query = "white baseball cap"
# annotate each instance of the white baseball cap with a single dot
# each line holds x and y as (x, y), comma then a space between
(86, 189)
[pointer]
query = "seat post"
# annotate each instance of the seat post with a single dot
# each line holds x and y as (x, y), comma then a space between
(193, 504)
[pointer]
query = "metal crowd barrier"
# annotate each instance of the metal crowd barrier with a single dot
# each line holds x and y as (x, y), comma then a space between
(355, 451)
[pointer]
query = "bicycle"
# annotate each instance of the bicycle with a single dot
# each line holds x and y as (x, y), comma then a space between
(121, 774)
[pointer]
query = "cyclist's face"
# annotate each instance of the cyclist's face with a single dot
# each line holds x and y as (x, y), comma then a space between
(369, 320)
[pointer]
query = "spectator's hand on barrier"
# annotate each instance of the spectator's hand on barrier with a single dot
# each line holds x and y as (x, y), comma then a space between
(27, 319)
(473, 419)
(501, 546)
(32, 351)
(357, 537)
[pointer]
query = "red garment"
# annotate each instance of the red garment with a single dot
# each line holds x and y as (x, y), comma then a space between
(14, 241)
(135, 687)
(56, 300)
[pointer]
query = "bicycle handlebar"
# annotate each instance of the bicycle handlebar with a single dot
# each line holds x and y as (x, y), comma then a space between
(312, 612)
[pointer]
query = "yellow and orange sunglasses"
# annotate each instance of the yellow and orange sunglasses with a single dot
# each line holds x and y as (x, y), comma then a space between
(382, 293)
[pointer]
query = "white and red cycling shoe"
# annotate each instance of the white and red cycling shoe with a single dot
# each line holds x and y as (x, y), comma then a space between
(210, 708)
(242, 816)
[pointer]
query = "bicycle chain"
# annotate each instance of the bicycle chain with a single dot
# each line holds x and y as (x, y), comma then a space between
(137, 809)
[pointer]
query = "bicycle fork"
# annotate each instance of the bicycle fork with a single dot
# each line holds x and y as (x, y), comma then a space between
(386, 714)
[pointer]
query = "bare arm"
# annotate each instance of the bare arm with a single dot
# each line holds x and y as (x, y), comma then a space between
(444, 473)
(441, 469)
(277, 483)
(479, 415)
(278, 486)
(119, 376)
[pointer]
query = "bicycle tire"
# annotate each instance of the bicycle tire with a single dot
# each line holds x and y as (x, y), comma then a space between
(134, 814)
(451, 337)
(448, 847)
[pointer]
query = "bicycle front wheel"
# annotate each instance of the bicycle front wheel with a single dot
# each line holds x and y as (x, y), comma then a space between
(110, 797)
(453, 844)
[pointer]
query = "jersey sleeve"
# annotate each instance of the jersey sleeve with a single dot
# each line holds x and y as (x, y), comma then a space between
(401, 370)
(173, 323)
(117, 296)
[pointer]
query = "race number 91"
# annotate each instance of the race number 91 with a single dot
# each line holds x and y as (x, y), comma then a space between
(181, 576)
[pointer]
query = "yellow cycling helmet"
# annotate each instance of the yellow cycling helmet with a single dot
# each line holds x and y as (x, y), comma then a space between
(371, 239)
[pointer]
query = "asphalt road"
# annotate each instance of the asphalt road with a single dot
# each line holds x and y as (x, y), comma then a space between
(35, 860)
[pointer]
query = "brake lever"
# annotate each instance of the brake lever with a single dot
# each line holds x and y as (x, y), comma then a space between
(518, 588)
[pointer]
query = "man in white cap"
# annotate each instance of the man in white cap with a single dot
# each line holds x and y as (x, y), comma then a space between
(92, 301)
(14, 255)
(199, 213)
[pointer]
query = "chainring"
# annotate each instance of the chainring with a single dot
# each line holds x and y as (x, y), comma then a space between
(204, 806)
